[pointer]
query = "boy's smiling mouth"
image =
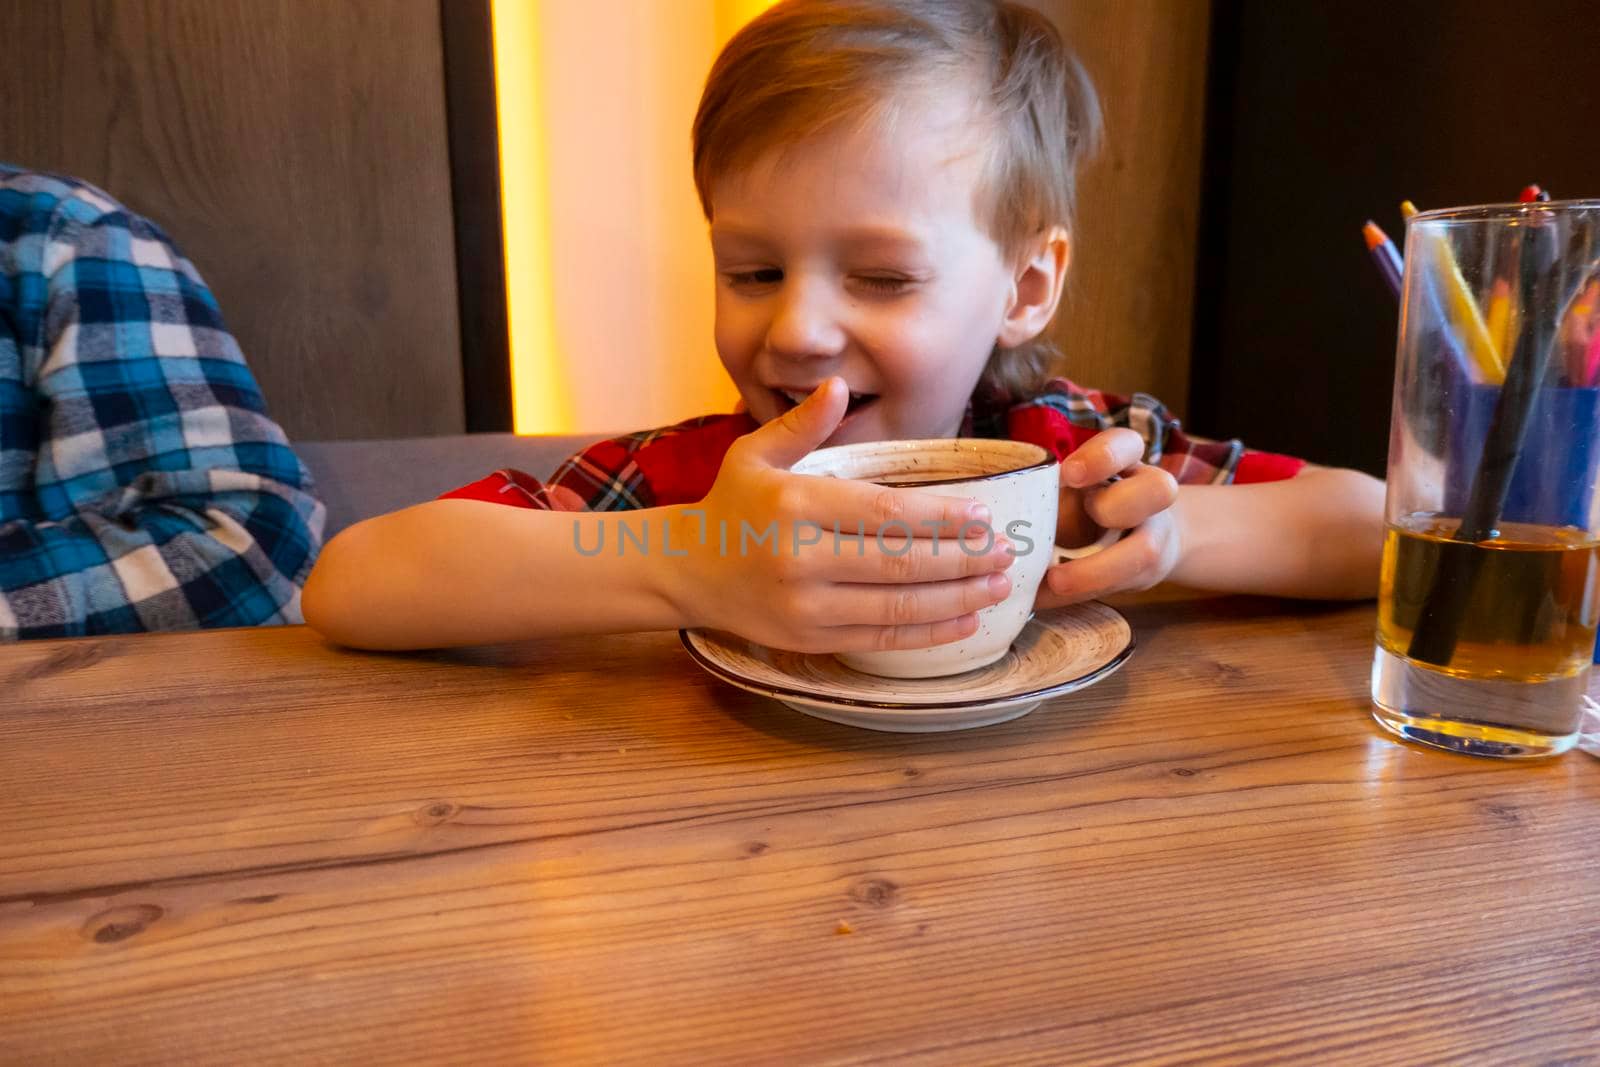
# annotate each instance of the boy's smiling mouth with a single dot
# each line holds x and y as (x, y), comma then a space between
(789, 398)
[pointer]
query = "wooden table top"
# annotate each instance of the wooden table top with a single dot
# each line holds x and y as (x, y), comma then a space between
(246, 845)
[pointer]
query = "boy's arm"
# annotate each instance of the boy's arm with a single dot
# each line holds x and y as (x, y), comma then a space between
(462, 572)
(459, 572)
(1318, 534)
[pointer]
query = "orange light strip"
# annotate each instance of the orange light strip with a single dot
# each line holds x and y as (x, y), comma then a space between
(547, 395)
(541, 401)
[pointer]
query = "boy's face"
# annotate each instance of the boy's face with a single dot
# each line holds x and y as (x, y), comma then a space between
(858, 253)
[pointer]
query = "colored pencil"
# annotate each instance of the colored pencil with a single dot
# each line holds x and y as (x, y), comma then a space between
(1502, 316)
(1579, 334)
(1463, 309)
(1591, 361)
(1383, 254)
(1392, 267)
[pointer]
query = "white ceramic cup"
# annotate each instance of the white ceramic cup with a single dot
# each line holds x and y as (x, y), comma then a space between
(1019, 482)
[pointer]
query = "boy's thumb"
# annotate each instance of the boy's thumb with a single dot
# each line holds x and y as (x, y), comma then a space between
(788, 438)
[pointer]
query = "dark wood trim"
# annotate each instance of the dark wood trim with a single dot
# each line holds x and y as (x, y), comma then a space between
(468, 35)
(1211, 241)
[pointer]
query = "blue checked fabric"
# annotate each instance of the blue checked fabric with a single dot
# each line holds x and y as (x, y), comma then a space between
(142, 485)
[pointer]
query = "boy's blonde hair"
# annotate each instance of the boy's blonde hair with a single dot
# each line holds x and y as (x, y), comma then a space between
(805, 66)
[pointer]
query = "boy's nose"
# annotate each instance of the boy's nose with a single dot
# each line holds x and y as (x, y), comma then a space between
(806, 325)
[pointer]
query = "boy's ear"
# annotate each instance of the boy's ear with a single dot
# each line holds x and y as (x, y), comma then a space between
(1037, 289)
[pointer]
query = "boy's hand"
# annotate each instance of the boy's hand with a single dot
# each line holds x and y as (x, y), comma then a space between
(827, 595)
(1138, 502)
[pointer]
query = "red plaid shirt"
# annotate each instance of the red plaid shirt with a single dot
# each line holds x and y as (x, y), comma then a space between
(678, 464)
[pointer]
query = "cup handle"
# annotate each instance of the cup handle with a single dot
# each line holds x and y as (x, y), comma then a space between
(1107, 539)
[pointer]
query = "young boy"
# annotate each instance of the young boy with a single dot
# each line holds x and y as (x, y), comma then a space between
(889, 187)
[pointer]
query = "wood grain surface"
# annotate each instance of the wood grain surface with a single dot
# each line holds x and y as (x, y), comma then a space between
(247, 846)
(296, 151)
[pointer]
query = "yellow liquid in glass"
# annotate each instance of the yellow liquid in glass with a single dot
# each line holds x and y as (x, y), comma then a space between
(1531, 612)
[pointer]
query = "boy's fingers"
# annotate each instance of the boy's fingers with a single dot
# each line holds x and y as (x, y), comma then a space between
(1132, 563)
(1125, 504)
(785, 440)
(912, 605)
(1102, 456)
(899, 561)
(889, 638)
(873, 508)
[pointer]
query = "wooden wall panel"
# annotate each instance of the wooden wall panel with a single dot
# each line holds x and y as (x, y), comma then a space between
(1127, 319)
(297, 152)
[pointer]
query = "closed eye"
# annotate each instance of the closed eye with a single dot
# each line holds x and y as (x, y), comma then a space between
(882, 283)
(745, 279)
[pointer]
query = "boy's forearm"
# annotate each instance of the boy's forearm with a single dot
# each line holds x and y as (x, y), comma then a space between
(1318, 535)
(458, 572)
